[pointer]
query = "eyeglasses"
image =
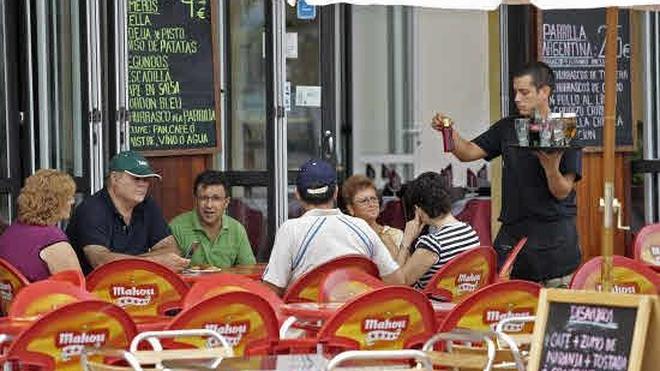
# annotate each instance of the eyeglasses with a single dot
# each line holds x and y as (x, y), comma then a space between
(366, 200)
(210, 198)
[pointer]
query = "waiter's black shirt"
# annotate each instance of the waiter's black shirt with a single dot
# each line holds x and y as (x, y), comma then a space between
(525, 192)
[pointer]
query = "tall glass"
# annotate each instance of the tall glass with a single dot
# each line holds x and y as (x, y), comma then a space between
(522, 131)
(570, 127)
(557, 129)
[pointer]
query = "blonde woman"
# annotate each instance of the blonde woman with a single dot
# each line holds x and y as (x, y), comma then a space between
(34, 244)
(361, 200)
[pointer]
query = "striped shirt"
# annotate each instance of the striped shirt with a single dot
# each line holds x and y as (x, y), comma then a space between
(447, 242)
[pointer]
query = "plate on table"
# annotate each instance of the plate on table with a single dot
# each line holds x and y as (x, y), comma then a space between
(544, 148)
(196, 269)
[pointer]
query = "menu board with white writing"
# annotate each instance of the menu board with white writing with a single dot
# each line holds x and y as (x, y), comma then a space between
(589, 331)
(171, 85)
(573, 45)
(587, 337)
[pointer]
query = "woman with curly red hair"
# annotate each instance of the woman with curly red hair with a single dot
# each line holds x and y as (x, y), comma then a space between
(361, 200)
(34, 244)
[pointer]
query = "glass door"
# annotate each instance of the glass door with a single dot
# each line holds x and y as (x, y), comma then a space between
(10, 167)
(274, 115)
(44, 77)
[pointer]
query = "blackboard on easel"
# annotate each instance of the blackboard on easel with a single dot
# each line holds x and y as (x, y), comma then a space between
(589, 330)
(572, 43)
(173, 88)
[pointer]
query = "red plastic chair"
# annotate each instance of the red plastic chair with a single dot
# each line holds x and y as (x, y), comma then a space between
(147, 291)
(629, 276)
(463, 275)
(245, 319)
(11, 282)
(507, 267)
(394, 317)
(306, 288)
(72, 276)
(221, 283)
(344, 284)
(55, 341)
(646, 246)
(483, 309)
(45, 296)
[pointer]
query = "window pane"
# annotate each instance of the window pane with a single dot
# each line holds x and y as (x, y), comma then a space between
(247, 116)
(304, 81)
(5, 207)
(66, 85)
(249, 206)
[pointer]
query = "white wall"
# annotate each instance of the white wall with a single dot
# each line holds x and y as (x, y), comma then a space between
(451, 62)
(453, 78)
(369, 85)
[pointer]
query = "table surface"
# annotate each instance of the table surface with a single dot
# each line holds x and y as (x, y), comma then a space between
(323, 311)
(299, 362)
(253, 271)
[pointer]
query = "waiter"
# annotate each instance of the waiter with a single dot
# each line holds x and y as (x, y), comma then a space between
(538, 188)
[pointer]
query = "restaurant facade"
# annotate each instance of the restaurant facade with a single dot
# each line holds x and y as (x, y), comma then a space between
(256, 87)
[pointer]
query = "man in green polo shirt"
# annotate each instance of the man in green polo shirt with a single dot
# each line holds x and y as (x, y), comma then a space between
(206, 235)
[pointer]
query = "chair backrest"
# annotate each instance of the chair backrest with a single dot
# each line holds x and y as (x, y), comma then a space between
(55, 341)
(393, 214)
(463, 275)
(507, 267)
(221, 283)
(11, 282)
(72, 276)
(394, 317)
(140, 287)
(646, 246)
(484, 308)
(252, 219)
(41, 297)
(346, 283)
(306, 287)
(245, 319)
(629, 276)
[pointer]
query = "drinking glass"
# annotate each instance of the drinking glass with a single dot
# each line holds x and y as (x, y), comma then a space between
(557, 127)
(545, 136)
(522, 131)
(570, 127)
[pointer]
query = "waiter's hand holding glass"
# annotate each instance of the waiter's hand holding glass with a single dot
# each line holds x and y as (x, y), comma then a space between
(444, 124)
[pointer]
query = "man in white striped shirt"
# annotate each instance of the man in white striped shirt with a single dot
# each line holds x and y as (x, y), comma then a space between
(322, 233)
(447, 236)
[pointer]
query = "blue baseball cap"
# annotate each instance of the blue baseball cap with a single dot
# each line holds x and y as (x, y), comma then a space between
(315, 177)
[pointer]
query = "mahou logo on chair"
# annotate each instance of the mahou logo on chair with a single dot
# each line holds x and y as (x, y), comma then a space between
(384, 329)
(72, 343)
(622, 287)
(468, 281)
(138, 295)
(493, 315)
(6, 290)
(233, 332)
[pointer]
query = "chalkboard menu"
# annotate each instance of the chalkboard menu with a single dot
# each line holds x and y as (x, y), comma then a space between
(580, 331)
(171, 84)
(573, 45)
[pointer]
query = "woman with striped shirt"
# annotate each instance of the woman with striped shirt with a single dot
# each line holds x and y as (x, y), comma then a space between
(447, 236)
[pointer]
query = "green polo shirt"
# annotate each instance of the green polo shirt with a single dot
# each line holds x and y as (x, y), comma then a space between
(230, 248)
